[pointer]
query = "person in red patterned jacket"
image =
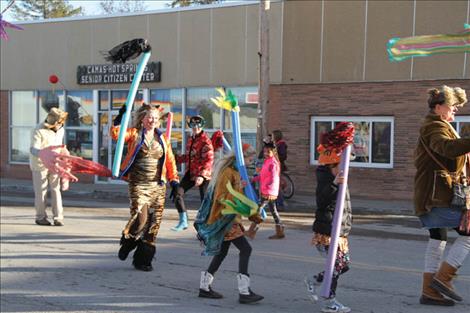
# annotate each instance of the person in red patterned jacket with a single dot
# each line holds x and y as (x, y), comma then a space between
(199, 158)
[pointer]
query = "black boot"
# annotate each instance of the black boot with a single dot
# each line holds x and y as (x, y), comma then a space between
(143, 257)
(127, 245)
(250, 298)
(246, 295)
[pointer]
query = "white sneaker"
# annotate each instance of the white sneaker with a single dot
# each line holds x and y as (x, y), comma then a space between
(312, 286)
(333, 306)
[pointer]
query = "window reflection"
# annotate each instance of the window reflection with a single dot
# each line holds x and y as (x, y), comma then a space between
(23, 108)
(119, 97)
(20, 143)
(361, 141)
(80, 143)
(248, 115)
(381, 142)
(199, 103)
(80, 108)
(320, 128)
(48, 100)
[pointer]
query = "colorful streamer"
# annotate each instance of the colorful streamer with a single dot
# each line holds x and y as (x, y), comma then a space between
(336, 227)
(4, 24)
(400, 49)
(126, 117)
(229, 102)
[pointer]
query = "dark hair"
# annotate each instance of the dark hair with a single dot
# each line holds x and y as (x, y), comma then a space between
(277, 135)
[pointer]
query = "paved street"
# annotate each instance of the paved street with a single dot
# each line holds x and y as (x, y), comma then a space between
(75, 268)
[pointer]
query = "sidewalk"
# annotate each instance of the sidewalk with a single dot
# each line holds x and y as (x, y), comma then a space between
(117, 193)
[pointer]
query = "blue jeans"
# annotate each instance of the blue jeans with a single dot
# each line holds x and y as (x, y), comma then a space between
(441, 218)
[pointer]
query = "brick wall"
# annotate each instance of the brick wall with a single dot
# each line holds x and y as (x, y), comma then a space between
(291, 107)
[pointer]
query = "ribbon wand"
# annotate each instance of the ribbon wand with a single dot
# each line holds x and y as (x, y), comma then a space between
(229, 102)
(120, 54)
(336, 227)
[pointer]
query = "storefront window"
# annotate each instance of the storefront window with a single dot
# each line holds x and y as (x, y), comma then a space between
(80, 142)
(248, 115)
(462, 126)
(23, 120)
(20, 143)
(23, 108)
(103, 99)
(119, 98)
(171, 100)
(49, 99)
(373, 139)
(80, 108)
(198, 103)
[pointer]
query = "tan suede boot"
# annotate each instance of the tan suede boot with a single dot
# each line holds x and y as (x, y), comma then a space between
(430, 296)
(442, 281)
(279, 233)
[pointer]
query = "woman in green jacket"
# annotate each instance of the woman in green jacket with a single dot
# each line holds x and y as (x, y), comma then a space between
(438, 141)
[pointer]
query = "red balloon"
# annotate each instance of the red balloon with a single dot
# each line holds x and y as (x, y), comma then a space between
(53, 79)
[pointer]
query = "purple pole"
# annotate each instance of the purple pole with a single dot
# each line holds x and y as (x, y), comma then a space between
(336, 227)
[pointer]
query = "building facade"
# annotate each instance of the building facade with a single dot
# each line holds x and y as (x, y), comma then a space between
(328, 63)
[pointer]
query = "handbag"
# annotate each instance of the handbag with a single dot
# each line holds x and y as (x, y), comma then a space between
(460, 191)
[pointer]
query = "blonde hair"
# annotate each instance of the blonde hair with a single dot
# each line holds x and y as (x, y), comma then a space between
(446, 95)
(142, 112)
(226, 161)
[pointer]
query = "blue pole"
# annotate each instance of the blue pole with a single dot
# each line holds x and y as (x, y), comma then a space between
(126, 117)
(237, 145)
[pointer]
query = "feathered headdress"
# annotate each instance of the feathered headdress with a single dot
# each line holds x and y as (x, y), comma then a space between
(332, 143)
(127, 50)
(217, 140)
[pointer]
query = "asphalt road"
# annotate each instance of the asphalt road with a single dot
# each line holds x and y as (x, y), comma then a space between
(75, 268)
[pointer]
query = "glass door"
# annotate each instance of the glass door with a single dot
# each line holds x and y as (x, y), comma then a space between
(109, 103)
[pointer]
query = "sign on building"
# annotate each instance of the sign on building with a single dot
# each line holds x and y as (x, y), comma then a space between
(116, 73)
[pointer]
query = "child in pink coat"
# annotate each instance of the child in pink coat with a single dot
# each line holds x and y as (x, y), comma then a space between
(269, 186)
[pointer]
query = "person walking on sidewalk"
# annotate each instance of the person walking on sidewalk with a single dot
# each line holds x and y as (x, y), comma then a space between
(439, 145)
(218, 231)
(148, 165)
(281, 148)
(199, 159)
(328, 180)
(46, 134)
(269, 187)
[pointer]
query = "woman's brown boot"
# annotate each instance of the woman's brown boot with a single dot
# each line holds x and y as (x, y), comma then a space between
(279, 233)
(430, 296)
(442, 281)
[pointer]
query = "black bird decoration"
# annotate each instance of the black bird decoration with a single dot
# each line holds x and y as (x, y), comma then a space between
(127, 50)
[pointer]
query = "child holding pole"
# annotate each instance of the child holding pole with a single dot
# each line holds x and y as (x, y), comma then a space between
(329, 178)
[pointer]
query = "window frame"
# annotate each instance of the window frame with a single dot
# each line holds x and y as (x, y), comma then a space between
(11, 126)
(369, 119)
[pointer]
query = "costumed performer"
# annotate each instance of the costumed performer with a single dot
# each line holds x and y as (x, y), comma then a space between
(148, 165)
(48, 134)
(199, 159)
(218, 231)
(328, 180)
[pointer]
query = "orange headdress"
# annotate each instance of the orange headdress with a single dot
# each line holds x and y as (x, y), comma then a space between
(332, 143)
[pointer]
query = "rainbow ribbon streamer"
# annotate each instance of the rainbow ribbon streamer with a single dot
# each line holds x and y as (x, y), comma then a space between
(229, 102)
(400, 49)
(126, 117)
